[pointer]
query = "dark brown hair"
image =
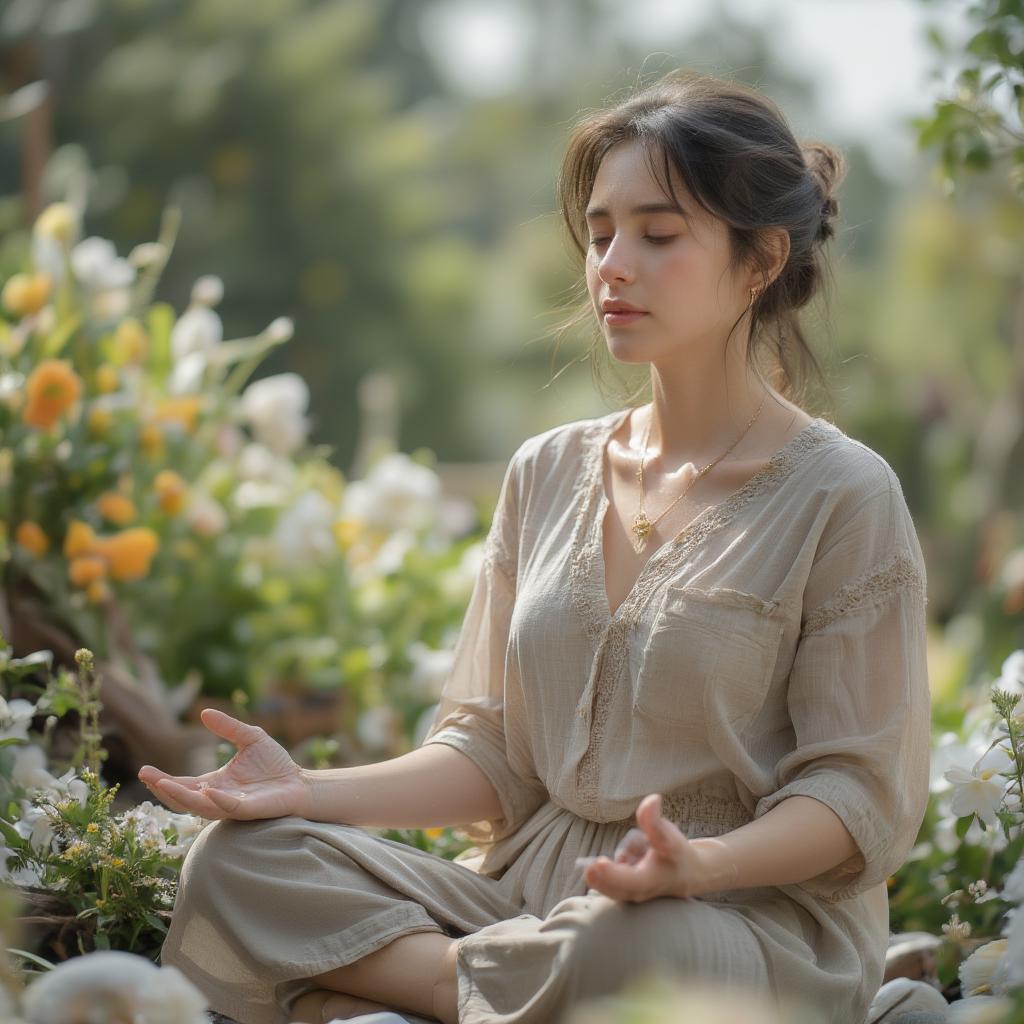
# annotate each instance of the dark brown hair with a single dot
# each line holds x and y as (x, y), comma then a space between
(734, 150)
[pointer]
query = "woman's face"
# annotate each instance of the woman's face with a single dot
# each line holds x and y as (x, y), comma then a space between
(675, 271)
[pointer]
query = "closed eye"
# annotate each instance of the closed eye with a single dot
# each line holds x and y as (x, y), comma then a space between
(655, 239)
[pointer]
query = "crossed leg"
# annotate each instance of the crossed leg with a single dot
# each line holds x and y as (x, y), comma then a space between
(415, 972)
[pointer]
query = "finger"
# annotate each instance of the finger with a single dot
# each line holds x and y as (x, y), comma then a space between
(225, 801)
(194, 802)
(664, 836)
(149, 775)
(168, 801)
(632, 846)
(232, 729)
(619, 881)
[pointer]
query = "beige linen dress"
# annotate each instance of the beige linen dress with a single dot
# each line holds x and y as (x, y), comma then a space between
(776, 646)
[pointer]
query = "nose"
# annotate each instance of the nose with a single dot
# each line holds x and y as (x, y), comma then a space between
(613, 265)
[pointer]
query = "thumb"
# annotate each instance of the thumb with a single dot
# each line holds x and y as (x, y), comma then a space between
(228, 728)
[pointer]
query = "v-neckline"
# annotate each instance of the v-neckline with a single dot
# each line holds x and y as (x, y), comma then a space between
(598, 499)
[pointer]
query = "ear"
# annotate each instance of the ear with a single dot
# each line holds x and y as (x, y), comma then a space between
(776, 242)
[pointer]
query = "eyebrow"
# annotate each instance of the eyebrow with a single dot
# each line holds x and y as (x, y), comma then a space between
(602, 211)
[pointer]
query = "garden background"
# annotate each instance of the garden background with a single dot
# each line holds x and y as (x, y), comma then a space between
(280, 284)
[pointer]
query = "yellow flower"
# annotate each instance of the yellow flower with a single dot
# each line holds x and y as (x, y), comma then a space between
(25, 294)
(131, 341)
(92, 827)
(181, 409)
(129, 552)
(99, 421)
(97, 592)
(116, 508)
(171, 491)
(79, 540)
(117, 862)
(58, 221)
(433, 833)
(346, 532)
(151, 438)
(86, 569)
(30, 535)
(107, 379)
(52, 389)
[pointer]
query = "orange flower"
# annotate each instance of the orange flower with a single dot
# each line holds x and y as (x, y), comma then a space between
(52, 389)
(79, 540)
(25, 294)
(116, 508)
(30, 536)
(107, 379)
(433, 833)
(171, 491)
(86, 569)
(181, 409)
(129, 552)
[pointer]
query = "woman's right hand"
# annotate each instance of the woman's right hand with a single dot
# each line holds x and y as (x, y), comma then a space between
(260, 781)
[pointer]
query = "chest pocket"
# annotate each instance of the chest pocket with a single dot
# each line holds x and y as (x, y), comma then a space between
(708, 659)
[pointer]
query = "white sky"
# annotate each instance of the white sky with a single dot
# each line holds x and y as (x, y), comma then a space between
(871, 56)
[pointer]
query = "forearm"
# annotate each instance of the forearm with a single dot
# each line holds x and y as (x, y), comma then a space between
(800, 837)
(429, 787)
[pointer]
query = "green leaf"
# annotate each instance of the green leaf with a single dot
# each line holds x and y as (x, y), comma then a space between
(963, 824)
(37, 960)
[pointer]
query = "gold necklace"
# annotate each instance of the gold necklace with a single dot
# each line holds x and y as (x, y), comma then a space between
(642, 526)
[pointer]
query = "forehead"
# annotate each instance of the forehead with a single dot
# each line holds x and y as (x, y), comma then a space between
(624, 181)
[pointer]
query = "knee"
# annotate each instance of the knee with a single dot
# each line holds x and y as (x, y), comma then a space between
(226, 848)
(617, 941)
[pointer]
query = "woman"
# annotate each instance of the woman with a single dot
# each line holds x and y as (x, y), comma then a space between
(687, 724)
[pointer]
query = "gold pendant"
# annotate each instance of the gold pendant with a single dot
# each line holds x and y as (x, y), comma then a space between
(641, 529)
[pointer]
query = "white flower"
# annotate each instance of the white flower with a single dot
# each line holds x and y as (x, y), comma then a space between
(430, 669)
(206, 515)
(198, 329)
(391, 554)
(150, 820)
(208, 290)
(303, 534)
(979, 1010)
(1011, 676)
(29, 769)
(96, 264)
(976, 792)
(1014, 932)
(397, 492)
(280, 330)
(147, 253)
(274, 408)
(983, 972)
(1013, 887)
(35, 826)
(110, 985)
(15, 717)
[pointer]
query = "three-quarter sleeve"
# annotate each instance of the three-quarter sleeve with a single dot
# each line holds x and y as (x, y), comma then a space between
(858, 691)
(470, 714)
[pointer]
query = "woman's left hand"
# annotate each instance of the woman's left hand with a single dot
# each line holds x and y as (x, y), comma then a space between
(653, 860)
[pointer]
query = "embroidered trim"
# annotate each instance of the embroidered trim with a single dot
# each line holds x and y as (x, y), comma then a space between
(899, 571)
(587, 586)
(497, 555)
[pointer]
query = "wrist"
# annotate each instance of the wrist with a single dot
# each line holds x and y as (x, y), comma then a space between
(717, 869)
(310, 800)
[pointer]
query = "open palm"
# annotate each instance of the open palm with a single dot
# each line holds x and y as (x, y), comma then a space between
(260, 781)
